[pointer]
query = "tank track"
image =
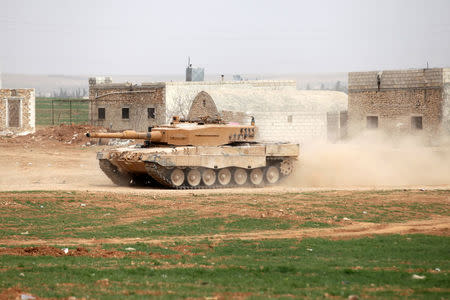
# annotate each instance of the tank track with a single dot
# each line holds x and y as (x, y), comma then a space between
(124, 179)
(114, 174)
(162, 176)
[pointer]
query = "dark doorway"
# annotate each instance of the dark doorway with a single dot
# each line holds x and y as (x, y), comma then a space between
(14, 112)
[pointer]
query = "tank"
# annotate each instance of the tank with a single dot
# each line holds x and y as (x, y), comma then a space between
(199, 153)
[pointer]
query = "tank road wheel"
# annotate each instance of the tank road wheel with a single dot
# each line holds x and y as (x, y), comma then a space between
(240, 176)
(209, 177)
(256, 176)
(194, 177)
(272, 174)
(177, 177)
(286, 167)
(224, 176)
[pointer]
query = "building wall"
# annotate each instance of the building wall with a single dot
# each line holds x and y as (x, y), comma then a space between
(138, 98)
(400, 95)
(203, 106)
(446, 102)
(179, 95)
(17, 107)
(298, 127)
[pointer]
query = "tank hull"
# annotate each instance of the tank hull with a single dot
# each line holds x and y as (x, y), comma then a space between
(195, 167)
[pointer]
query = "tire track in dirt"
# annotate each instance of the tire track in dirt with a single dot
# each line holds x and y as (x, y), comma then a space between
(435, 226)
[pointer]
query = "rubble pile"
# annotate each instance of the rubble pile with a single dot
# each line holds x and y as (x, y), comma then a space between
(61, 134)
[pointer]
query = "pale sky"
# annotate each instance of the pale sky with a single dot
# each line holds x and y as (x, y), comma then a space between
(134, 37)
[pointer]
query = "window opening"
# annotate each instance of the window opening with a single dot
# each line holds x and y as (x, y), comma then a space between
(372, 122)
(416, 123)
(125, 113)
(101, 113)
(151, 113)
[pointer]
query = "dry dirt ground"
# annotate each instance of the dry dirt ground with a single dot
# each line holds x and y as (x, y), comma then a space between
(57, 158)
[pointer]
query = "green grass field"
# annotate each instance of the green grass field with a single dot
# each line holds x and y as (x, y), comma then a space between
(172, 262)
(63, 112)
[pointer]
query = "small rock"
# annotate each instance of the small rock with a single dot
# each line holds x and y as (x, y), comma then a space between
(263, 215)
(83, 205)
(130, 249)
(353, 297)
(415, 276)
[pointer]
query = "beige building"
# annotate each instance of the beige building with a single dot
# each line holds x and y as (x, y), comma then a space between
(124, 106)
(17, 111)
(400, 101)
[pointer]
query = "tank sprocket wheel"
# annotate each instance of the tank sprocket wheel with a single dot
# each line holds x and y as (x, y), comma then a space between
(113, 173)
(193, 177)
(286, 167)
(208, 177)
(272, 174)
(257, 176)
(224, 177)
(240, 176)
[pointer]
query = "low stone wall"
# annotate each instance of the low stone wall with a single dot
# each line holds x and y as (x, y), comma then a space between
(297, 127)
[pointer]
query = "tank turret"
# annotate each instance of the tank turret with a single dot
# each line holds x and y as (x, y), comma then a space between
(189, 134)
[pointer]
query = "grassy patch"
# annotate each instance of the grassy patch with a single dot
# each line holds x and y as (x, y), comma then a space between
(380, 267)
(43, 214)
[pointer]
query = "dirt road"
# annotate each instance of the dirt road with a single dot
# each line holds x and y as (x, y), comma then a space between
(74, 167)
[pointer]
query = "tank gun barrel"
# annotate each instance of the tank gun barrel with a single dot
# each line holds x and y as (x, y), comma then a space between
(154, 136)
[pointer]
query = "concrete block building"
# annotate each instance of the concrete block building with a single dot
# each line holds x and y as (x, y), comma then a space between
(400, 101)
(17, 111)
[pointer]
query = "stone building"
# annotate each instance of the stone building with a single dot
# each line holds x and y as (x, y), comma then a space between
(17, 111)
(400, 101)
(125, 106)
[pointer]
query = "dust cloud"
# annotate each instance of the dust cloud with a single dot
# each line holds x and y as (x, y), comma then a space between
(372, 161)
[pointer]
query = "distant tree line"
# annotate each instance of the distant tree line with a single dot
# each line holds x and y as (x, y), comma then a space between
(338, 86)
(69, 93)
